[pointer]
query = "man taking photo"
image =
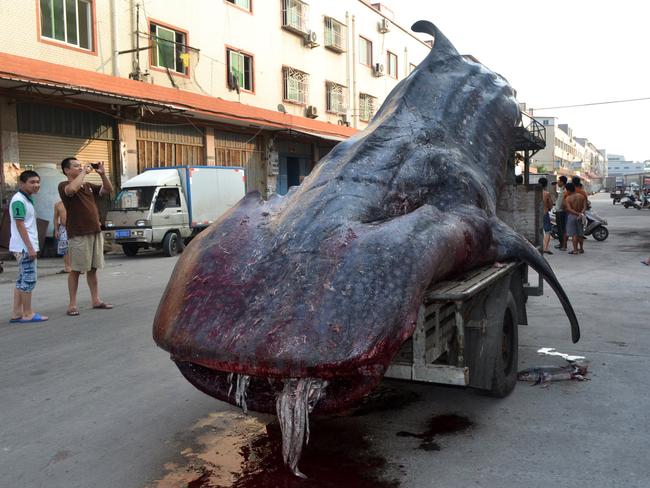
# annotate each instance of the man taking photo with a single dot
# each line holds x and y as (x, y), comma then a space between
(85, 240)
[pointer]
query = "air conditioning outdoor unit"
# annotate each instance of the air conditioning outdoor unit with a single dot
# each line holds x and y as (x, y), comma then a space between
(311, 39)
(384, 26)
(378, 70)
(343, 120)
(311, 112)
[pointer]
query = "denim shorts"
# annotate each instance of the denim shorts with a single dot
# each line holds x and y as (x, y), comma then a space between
(547, 223)
(26, 272)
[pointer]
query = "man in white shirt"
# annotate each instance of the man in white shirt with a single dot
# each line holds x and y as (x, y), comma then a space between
(24, 245)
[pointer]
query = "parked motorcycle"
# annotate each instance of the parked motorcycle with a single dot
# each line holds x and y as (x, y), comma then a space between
(596, 226)
(631, 201)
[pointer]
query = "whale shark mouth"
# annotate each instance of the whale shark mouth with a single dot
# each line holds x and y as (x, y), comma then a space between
(260, 393)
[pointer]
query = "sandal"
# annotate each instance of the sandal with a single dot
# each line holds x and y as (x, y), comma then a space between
(103, 306)
(72, 313)
(37, 317)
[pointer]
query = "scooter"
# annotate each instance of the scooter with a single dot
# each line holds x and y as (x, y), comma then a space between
(596, 226)
(630, 201)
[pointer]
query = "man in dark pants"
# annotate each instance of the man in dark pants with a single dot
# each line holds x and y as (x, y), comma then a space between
(560, 214)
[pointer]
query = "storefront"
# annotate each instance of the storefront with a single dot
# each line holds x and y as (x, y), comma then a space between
(245, 150)
(162, 145)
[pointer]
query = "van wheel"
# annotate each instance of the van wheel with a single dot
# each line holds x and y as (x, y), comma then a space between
(171, 244)
(130, 249)
(505, 365)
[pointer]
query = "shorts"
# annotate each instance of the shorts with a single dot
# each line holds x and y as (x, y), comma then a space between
(574, 226)
(547, 223)
(86, 252)
(27, 270)
(62, 243)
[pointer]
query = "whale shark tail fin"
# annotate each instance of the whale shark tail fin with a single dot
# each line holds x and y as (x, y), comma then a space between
(511, 245)
(441, 45)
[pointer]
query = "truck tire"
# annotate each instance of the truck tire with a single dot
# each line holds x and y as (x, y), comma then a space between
(171, 244)
(504, 377)
(130, 249)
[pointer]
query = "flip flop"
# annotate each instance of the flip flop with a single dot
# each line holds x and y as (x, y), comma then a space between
(103, 306)
(72, 313)
(36, 318)
(18, 319)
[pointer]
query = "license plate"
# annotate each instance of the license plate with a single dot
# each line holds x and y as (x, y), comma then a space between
(120, 234)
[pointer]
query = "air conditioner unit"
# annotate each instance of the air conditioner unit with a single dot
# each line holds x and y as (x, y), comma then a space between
(311, 112)
(378, 70)
(384, 26)
(343, 120)
(311, 39)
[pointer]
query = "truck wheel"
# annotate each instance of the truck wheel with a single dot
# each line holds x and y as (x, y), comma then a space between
(505, 365)
(170, 244)
(130, 249)
(600, 233)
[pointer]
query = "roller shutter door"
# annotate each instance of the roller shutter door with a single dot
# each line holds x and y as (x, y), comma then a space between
(41, 148)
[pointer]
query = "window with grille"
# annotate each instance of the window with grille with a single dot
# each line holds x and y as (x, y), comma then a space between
(335, 34)
(294, 15)
(391, 64)
(367, 106)
(240, 66)
(296, 85)
(365, 51)
(169, 49)
(245, 4)
(335, 97)
(68, 21)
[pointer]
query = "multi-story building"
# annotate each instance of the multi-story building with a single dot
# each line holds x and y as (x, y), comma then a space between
(268, 85)
(617, 165)
(560, 151)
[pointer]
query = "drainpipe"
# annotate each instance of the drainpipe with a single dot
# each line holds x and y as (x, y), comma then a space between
(347, 62)
(114, 39)
(355, 96)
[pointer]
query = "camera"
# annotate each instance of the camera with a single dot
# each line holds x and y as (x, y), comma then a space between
(95, 165)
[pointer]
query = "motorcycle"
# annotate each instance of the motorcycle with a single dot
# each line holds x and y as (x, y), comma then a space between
(631, 201)
(596, 226)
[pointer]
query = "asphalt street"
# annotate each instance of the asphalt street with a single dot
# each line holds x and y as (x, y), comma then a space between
(90, 401)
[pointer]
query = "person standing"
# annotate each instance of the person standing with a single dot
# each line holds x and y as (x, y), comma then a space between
(61, 235)
(560, 214)
(24, 244)
(575, 205)
(85, 240)
(548, 205)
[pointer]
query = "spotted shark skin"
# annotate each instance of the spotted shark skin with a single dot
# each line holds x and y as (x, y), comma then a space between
(326, 281)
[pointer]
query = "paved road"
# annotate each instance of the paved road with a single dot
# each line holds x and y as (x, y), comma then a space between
(90, 401)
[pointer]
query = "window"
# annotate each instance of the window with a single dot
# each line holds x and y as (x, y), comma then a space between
(68, 21)
(367, 106)
(335, 34)
(169, 49)
(296, 85)
(365, 51)
(335, 97)
(294, 15)
(245, 4)
(240, 66)
(392, 64)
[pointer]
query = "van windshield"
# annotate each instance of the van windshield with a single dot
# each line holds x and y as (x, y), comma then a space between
(138, 198)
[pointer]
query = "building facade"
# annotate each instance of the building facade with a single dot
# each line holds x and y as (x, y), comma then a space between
(269, 85)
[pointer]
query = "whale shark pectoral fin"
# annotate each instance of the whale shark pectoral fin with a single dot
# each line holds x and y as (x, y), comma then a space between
(440, 44)
(511, 245)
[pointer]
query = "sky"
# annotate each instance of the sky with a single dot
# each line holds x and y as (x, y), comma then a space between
(559, 52)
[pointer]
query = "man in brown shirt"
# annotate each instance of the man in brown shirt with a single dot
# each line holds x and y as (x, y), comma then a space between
(85, 241)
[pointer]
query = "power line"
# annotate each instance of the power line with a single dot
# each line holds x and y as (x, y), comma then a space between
(594, 103)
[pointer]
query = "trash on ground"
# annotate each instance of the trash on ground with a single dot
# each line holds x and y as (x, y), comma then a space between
(544, 375)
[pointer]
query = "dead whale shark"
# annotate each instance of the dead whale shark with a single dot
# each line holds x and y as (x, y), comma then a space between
(325, 282)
